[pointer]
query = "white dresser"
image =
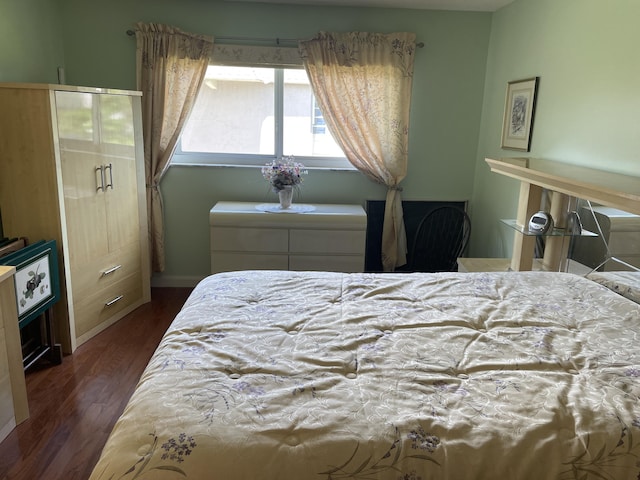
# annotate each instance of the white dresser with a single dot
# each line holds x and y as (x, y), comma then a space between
(620, 231)
(329, 238)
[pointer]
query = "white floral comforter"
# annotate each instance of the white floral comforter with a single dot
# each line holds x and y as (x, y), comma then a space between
(626, 284)
(313, 376)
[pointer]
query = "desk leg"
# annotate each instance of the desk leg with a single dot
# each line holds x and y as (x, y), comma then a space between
(524, 245)
(557, 248)
(55, 351)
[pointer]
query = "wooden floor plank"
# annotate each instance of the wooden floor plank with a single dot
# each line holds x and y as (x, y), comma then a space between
(73, 406)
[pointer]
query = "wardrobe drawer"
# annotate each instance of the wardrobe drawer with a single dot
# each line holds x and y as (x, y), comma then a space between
(86, 279)
(232, 239)
(327, 241)
(93, 309)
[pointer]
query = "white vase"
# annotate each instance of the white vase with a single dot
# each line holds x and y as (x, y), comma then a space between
(285, 195)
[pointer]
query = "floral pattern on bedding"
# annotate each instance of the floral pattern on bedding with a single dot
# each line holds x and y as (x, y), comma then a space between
(388, 377)
(626, 284)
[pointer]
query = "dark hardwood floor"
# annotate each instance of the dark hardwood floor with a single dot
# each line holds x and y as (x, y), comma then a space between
(73, 406)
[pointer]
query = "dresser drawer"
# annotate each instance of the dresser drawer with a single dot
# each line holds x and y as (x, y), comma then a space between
(327, 241)
(612, 266)
(624, 243)
(336, 263)
(88, 278)
(94, 309)
(232, 239)
(230, 262)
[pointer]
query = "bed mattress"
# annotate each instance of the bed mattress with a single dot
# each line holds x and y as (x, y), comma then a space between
(318, 375)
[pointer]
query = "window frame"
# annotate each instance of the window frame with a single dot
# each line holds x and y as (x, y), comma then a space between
(223, 57)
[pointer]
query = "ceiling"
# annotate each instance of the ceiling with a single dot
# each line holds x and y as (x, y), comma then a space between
(469, 5)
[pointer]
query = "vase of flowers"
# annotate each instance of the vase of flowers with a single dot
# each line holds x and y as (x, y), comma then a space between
(285, 196)
(284, 176)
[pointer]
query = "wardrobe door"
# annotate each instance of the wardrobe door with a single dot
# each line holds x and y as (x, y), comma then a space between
(82, 176)
(117, 145)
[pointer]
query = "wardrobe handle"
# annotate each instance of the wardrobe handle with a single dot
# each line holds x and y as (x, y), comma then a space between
(111, 302)
(111, 270)
(110, 184)
(100, 179)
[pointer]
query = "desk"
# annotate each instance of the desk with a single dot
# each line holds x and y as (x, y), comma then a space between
(564, 181)
(466, 265)
(14, 408)
(319, 237)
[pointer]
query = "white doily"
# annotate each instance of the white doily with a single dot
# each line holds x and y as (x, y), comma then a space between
(276, 208)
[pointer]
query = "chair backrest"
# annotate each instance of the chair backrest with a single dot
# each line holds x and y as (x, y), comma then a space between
(441, 237)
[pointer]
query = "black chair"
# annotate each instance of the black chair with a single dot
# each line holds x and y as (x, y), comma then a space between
(441, 237)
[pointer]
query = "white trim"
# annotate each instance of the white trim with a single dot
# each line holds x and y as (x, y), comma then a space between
(230, 160)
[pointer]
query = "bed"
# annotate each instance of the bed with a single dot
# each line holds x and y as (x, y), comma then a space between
(316, 375)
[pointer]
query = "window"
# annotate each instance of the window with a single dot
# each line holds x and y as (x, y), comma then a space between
(247, 115)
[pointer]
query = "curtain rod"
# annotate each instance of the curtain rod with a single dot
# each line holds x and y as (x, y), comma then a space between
(258, 39)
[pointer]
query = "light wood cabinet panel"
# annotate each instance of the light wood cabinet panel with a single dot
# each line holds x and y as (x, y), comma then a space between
(14, 408)
(7, 416)
(85, 208)
(74, 174)
(99, 309)
(103, 271)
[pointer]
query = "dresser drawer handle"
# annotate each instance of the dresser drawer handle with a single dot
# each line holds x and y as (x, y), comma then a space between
(111, 302)
(111, 270)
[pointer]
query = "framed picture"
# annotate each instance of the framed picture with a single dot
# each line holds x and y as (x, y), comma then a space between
(36, 279)
(519, 107)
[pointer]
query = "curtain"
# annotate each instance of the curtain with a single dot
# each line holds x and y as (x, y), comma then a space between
(362, 83)
(171, 65)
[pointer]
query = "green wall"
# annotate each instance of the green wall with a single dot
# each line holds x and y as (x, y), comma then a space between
(585, 53)
(30, 41)
(445, 116)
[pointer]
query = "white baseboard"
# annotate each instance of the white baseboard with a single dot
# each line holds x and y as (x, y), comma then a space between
(175, 281)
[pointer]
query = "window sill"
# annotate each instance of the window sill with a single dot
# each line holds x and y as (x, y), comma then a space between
(230, 165)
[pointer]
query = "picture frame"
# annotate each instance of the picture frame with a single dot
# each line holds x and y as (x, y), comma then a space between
(519, 109)
(36, 279)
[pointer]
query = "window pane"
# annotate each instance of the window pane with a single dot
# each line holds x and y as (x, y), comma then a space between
(251, 115)
(234, 112)
(305, 133)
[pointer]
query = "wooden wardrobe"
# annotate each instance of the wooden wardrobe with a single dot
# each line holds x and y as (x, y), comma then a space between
(71, 169)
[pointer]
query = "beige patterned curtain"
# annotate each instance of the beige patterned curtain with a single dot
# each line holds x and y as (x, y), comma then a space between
(362, 82)
(170, 65)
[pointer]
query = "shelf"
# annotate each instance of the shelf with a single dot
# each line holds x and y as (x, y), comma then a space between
(468, 265)
(607, 188)
(556, 232)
